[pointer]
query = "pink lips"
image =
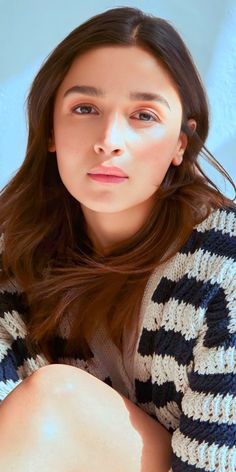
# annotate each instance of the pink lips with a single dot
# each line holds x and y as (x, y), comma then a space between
(107, 178)
(112, 171)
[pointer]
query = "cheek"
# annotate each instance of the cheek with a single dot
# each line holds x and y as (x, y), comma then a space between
(154, 157)
(66, 137)
(71, 145)
(157, 151)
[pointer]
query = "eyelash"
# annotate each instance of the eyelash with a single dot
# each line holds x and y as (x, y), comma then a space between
(90, 106)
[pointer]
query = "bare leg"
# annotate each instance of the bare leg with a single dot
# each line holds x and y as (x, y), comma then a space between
(66, 420)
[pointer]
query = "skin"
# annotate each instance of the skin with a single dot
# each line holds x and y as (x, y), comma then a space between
(143, 138)
(78, 425)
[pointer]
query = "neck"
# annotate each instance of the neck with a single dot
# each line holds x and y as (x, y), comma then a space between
(105, 230)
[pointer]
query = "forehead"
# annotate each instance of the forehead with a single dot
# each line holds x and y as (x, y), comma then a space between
(120, 68)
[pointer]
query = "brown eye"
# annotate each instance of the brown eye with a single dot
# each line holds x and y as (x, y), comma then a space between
(148, 115)
(86, 107)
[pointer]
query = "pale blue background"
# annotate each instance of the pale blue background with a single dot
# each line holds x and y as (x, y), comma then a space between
(30, 29)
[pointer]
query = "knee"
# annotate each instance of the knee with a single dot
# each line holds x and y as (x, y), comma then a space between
(59, 393)
(43, 404)
(56, 379)
(61, 381)
(37, 416)
(42, 398)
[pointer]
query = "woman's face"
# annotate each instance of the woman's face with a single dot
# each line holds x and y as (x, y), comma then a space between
(111, 128)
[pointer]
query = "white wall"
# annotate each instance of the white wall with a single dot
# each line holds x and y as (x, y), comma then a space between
(30, 29)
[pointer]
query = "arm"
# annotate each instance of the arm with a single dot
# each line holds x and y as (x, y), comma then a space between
(206, 437)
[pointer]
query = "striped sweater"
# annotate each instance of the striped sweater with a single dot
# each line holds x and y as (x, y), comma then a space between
(183, 372)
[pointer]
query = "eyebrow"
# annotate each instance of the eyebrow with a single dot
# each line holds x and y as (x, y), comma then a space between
(98, 92)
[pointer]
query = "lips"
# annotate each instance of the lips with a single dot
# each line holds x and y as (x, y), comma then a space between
(108, 175)
(112, 171)
(107, 178)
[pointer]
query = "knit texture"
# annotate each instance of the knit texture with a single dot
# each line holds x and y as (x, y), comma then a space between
(183, 372)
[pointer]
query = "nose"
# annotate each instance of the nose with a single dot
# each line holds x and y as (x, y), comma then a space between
(112, 139)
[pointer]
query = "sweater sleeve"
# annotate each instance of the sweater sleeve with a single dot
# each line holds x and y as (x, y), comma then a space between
(206, 437)
(15, 361)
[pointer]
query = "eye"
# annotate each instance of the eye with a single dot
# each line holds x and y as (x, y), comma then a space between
(89, 107)
(149, 115)
(82, 106)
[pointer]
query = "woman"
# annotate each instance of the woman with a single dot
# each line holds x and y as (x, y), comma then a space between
(118, 264)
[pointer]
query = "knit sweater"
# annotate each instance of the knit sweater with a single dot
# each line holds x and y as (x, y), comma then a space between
(183, 371)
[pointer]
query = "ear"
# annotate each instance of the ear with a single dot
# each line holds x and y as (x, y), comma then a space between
(182, 143)
(51, 142)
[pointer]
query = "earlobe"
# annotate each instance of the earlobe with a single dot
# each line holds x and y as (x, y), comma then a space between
(192, 124)
(52, 148)
(178, 158)
(51, 143)
(183, 142)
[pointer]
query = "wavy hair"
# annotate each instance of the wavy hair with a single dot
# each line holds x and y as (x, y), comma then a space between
(46, 249)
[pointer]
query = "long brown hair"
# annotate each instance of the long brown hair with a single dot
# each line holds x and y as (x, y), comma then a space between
(46, 249)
